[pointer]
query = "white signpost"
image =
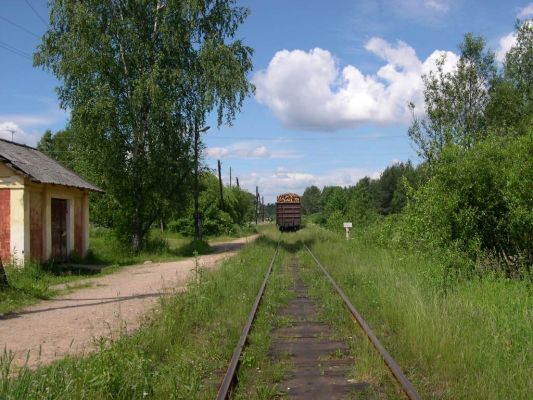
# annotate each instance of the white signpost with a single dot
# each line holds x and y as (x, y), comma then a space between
(347, 226)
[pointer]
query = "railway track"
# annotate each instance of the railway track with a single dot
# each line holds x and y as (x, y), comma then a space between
(303, 343)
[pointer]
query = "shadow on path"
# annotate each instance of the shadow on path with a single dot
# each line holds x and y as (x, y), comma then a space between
(93, 302)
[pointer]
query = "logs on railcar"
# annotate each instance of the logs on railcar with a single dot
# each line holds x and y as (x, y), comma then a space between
(288, 198)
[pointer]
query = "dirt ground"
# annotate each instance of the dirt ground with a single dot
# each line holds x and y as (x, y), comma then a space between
(114, 303)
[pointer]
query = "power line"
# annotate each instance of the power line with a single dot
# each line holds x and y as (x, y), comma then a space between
(20, 27)
(14, 50)
(302, 138)
(36, 13)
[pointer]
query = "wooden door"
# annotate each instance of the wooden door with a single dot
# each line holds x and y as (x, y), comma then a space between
(59, 229)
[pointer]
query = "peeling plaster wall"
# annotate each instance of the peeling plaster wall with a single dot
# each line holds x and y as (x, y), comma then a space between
(19, 235)
(36, 225)
(78, 225)
(26, 220)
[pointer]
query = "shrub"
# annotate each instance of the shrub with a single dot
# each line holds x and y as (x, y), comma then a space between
(478, 199)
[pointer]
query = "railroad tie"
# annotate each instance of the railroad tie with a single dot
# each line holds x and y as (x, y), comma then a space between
(320, 364)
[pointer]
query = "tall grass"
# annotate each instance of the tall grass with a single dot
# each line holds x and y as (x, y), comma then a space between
(29, 284)
(258, 374)
(456, 339)
(180, 353)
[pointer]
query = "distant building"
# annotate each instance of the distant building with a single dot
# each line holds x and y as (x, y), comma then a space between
(44, 207)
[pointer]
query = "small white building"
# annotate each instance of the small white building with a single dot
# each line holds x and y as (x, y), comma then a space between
(44, 207)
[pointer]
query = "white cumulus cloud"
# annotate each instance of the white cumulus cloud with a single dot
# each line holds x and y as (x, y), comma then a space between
(284, 180)
(9, 130)
(308, 90)
(247, 149)
(504, 45)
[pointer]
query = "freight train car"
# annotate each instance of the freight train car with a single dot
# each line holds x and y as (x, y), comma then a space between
(288, 212)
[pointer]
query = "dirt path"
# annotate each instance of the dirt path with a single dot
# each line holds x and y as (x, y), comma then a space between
(70, 323)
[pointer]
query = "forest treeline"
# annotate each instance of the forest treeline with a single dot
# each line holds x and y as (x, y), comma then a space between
(471, 196)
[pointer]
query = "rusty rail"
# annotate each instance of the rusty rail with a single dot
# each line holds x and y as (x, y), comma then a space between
(229, 378)
(406, 385)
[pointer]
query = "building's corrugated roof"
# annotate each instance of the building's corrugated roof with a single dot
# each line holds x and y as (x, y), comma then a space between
(40, 168)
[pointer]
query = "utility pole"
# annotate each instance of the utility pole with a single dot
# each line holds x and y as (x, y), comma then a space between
(237, 180)
(221, 187)
(263, 208)
(230, 177)
(256, 203)
(197, 217)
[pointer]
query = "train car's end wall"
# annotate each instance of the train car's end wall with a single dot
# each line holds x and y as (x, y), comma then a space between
(288, 215)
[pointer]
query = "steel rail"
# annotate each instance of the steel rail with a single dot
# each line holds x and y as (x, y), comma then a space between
(229, 377)
(406, 385)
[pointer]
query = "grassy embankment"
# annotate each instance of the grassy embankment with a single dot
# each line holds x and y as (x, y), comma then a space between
(36, 282)
(470, 339)
(181, 352)
(268, 373)
(466, 339)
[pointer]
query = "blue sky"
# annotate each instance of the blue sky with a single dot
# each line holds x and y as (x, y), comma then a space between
(333, 80)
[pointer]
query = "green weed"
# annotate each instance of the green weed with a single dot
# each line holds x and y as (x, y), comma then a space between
(179, 353)
(466, 339)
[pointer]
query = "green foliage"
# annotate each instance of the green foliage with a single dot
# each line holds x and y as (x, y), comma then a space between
(390, 189)
(506, 112)
(455, 101)
(139, 79)
(238, 210)
(454, 338)
(26, 285)
(368, 199)
(174, 355)
(239, 204)
(477, 137)
(360, 208)
(60, 146)
(333, 199)
(311, 200)
(510, 110)
(519, 60)
(335, 220)
(479, 200)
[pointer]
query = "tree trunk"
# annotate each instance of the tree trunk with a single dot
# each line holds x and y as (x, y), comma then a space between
(221, 187)
(136, 242)
(138, 235)
(3, 277)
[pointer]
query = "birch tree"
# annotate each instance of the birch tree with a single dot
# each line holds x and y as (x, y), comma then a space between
(139, 78)
(455, 101)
